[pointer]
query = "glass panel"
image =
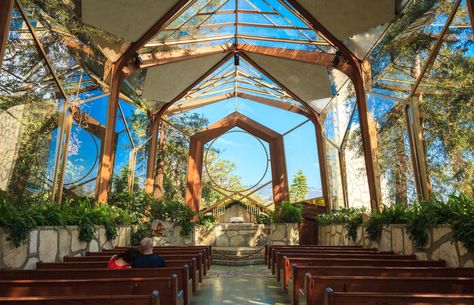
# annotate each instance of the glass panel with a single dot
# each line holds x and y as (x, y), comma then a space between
(29, 107)
(338, 113)
(446, 105)
(301, 153)
(401, 53)
(357, 187)
(393, 151)
(334, 175)
(82, 162)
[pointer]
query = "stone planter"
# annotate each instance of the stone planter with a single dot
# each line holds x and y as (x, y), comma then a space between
(441, 243)
(50, 244)
(231, 235)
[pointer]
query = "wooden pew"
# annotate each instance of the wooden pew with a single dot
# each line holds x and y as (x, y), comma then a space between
(297, 277)
(207, 249)
(290, 261)
(184, 281)
(159, 250)
(200, 261)
(350, 298)
(275, 253)
(153, 299)
(167, 286)
(269, 250)
(103, 265)
(315, 286)
(279, 264)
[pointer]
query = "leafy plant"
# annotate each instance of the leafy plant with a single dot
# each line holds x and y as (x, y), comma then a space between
(207, 220)
(288, 213)
(395, 214)
(177, 212)
(351, 218)
(264, 218)
(139, 232)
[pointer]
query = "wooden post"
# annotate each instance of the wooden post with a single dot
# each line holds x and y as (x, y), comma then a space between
(6, 8)
(470, 8)
(158, 184)
(322, 163)
(342, 167)
(106, 163)
(150, 169)
(417, 150)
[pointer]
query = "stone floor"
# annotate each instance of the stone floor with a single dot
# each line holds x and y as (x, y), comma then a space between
(228, 285)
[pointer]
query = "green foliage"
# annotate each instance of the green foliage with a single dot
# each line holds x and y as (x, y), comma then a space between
(299, 187)
(177, 212)
(139, 206)
(264, 218)
(20, 217)
(457, 211)
(207, 220)
(351, 218)
(139, 232)
(395, 214)
(288, 213)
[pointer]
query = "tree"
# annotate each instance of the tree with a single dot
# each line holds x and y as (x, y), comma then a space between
(120, 182)
(299, 187)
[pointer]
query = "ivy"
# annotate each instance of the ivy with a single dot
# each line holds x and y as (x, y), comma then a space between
(351, 218)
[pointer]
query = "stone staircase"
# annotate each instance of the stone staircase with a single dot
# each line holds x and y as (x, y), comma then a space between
(238, 256)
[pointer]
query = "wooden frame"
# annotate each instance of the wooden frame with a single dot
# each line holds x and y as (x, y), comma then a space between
(6, 9)
(196, 156)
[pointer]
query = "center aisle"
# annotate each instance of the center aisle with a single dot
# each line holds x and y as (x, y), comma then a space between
(227, 285)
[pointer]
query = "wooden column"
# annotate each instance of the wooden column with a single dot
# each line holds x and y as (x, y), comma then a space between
(470, 8)
(196, 156)
(106, 162)
(342, 168)
(370, 154)
(418, 156)
(6, 8)
(151, 163)
(158, 184)
(322, 163)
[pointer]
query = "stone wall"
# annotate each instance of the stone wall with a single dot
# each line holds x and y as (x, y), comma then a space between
(231, 235)
(50, 244)
(441, 243)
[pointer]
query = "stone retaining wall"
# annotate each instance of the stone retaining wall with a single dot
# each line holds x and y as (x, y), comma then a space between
(231, 235)
(441, 243)
(50, 244)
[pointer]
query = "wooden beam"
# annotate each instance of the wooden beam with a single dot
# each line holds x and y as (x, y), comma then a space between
(151, 162)
(196, 156)
(6, 8)
(321, 146)
(280, 104)
(193, 104)
(342, 167)
(470, 8)
(106, 162)
(115, 80)
(161, 58)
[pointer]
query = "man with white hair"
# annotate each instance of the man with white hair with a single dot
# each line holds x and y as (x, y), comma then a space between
(148, 259)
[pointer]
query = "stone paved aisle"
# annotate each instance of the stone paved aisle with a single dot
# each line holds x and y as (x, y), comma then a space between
(232, 285)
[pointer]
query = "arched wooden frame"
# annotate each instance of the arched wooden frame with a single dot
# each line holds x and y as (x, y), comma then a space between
(196, 156)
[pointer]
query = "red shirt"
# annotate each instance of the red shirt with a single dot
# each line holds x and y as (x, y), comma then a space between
(113, 265)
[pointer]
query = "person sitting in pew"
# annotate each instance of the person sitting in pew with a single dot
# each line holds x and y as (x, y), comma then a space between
(148, 259)
(124, 259)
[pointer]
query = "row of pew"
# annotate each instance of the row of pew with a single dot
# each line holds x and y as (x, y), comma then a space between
(331, 275)
(86, 280)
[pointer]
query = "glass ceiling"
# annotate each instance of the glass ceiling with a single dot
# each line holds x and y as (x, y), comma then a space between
(237, 79)
(224, 22)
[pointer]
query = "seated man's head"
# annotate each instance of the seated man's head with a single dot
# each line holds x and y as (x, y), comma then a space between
(147, 245)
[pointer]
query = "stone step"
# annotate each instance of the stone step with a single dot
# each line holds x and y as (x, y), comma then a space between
(227, 256)
(239, 251)
(246, 262)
